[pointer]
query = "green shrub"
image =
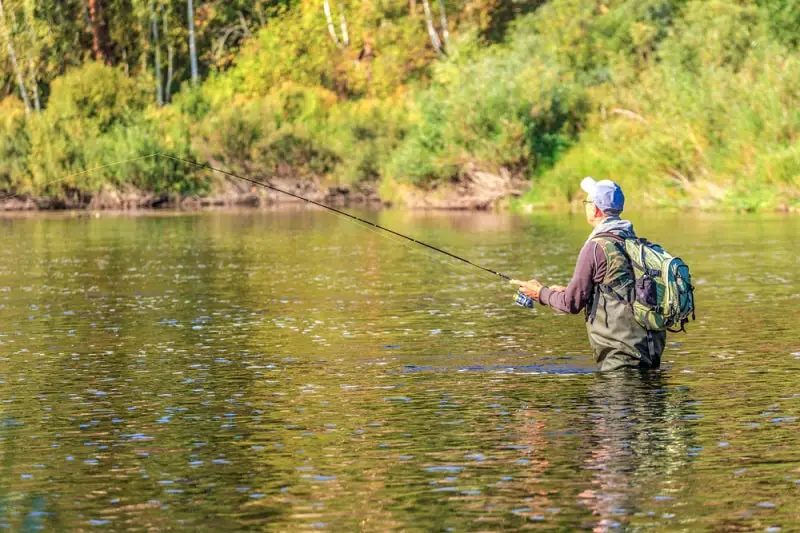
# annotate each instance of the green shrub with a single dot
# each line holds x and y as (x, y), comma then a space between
(725, 136)
(128, 149)
(276, 134)
(491, 109)
(14, 144)
(100, 95)
(96, 122)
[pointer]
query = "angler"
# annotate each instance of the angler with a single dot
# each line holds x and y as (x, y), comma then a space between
(632, 291)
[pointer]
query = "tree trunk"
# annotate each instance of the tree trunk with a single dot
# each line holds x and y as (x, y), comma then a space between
(101, 43)
(331, 28)
(30, 22)
(37, 104)
(445, 33)
(87, 17)
(192, 48)
(243, 24)
(345, 36)
(437, 44)
(157, 47)
(412, 7)
(13, 57)
(260, 13)
(170, 56)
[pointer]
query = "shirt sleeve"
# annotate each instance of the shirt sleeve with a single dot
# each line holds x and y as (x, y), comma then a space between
(589, 270)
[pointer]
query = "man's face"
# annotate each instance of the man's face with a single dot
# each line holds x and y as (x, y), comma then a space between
(593, 214)
(589, 207)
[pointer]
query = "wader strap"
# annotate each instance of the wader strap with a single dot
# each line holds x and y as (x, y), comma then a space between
(608, 290)
(591, 311)
(651, 349)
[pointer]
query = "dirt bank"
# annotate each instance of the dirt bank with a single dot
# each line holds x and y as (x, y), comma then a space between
(475, 190)
(221, 195)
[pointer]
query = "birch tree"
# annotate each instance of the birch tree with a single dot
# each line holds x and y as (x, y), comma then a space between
(157, 48)
(326, 7)
(13, 57)
(443, 16)
(192, 47)
(170, 57)
(438, 44)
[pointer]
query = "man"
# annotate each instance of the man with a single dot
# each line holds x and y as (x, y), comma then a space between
(603, 285)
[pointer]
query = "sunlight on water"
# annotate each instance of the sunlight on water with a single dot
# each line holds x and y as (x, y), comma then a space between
(291, 370)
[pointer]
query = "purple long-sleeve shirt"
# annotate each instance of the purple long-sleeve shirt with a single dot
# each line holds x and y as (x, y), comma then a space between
(589, 270)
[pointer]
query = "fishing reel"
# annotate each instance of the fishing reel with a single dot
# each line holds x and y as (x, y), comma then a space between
(523, 300)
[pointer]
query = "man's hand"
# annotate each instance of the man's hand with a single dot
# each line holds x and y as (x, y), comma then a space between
(529, 288)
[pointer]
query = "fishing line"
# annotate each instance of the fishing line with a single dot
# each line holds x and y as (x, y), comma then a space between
(368, 225)
(132, 159)
(348, 215)
(410, 246)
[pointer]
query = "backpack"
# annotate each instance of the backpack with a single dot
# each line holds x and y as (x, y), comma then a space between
(663, 290)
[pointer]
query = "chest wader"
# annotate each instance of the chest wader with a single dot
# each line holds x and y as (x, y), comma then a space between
(617, 339)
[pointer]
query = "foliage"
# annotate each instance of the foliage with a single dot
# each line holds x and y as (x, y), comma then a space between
(724, 136)
(14, 142)
(301, 132)
(95, 118)
(685, 102)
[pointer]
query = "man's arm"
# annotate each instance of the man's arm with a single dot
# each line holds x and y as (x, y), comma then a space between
(589, 270)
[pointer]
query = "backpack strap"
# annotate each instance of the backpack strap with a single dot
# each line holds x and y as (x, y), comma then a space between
(641, 264)
(682, 328)
(591, 310)
(620, 244)
(609, 234)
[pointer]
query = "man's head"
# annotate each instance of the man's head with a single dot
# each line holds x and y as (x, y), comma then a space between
(604, 199)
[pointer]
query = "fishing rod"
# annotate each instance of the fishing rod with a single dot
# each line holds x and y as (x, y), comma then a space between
(373, 224)
(293, 195)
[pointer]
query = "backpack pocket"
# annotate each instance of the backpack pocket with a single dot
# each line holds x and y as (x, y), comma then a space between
(647, 291)
(647, 318)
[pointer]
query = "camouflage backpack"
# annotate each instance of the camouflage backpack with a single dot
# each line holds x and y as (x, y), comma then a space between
(663, 291)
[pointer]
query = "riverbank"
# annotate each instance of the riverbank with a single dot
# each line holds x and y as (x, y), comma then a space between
(477, 191)
(134, 201)
(687, 107)
(482, 192)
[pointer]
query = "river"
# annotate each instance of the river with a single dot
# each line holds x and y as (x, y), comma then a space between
(293, 370)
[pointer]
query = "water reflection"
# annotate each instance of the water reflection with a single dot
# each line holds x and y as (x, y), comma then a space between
(638, 435)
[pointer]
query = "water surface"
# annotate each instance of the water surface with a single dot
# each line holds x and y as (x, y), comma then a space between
(291, 370)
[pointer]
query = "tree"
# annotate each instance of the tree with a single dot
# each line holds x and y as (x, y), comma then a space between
(157, 47)
(332, 29)
(170, 56)
(437, 43)
(13, 57)
(192, 48)
(101, 44)
(33, 52)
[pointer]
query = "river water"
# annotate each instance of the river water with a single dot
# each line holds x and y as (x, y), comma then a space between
(292, 370)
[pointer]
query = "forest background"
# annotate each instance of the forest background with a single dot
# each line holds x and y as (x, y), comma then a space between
(684, 102)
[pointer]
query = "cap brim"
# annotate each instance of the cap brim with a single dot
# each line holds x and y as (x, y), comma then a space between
(588, 185)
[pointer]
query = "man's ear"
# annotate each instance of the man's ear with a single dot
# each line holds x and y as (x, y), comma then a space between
(598, 213)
